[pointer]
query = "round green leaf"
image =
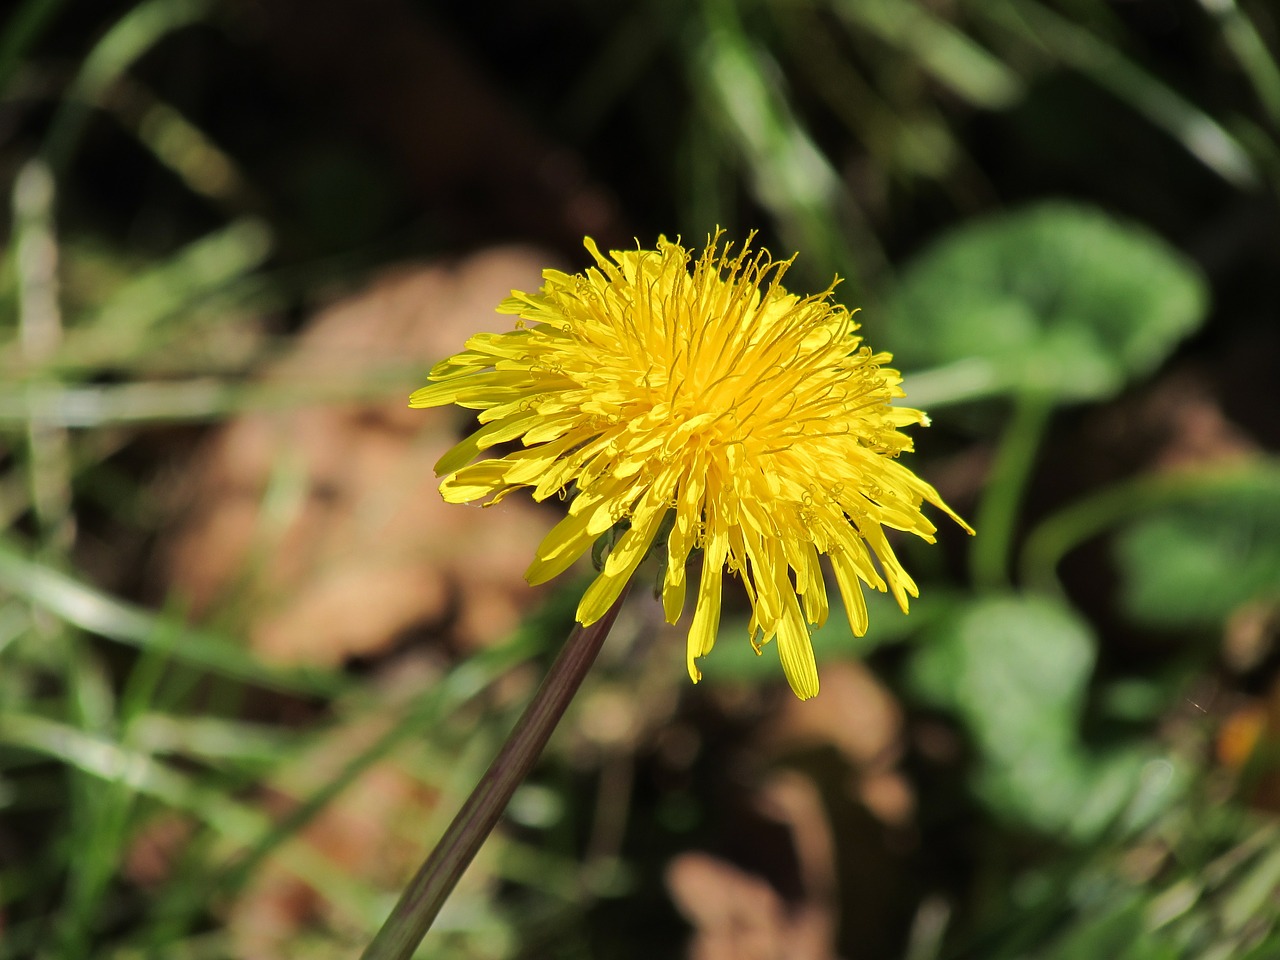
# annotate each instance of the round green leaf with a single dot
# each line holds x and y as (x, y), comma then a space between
(1060, 298)
(1015, 670)
(1191, 567)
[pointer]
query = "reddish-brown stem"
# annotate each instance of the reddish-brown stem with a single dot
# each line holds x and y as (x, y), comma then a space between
(426, 893)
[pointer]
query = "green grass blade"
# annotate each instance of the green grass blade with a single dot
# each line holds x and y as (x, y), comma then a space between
(195, 400)
(789, 174)
(132, 36)
(1198, 133)
(126, 325)
(109, 761)
(938, 47)
(97, 612)
(1251, 52)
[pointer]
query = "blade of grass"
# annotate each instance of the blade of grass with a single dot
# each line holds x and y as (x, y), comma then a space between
(1198, 133)
(144, 679)
(789, 174)
(94, 819)
(198, 399)
(182, 903)
(127, 324)
(903, 142)
(189, 152)
(98, 812)
(1265, 949)
(462, 684)
(39, 338)
(132, 36)
(208, 738)
(1251, 52)
(14, 622)
(15, 498)
(96, 612)
(101, 812)
(110, 762)
(938, 47)
(1249, 898)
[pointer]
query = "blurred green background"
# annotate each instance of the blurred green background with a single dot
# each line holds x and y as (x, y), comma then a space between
(249, 664)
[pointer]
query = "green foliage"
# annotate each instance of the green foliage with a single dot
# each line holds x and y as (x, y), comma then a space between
(1016, 671)
(1057, 299)
(1203, 900)
(150, 232)
(1192, 566)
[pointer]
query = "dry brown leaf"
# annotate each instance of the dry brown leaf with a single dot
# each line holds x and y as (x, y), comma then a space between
(738, 916)
(859, 717)
(1239, 734)
(856, 714)
(1197, 431)
(1250, 635)
(154, 851)
(324, 525)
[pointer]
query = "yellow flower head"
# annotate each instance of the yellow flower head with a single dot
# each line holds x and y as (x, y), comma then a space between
(752, 420)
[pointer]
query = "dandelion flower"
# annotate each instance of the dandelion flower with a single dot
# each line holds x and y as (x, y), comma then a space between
(701, 402)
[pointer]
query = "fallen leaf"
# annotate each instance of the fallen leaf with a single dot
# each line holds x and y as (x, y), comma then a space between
(860, 718)
(738, 916)
(322, 528)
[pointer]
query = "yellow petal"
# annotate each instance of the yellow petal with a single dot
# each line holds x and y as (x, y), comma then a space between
(706, 617)
(542, 570)
(855, 604)
(569, 533)
(471, 388)
(673, 591)
(796, 652)
(530, 464)
(809, 583)
(474, 482)
(623, 560)
(487, 436)
(669, 379)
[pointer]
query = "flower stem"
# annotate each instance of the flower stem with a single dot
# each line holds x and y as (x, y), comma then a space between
(436, 878)
(998, 511)
(1093, 515)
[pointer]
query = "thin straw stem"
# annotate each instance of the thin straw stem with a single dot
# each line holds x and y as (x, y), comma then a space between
(426, 893)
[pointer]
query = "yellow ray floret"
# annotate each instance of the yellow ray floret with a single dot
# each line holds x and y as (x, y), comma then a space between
(655, 387)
